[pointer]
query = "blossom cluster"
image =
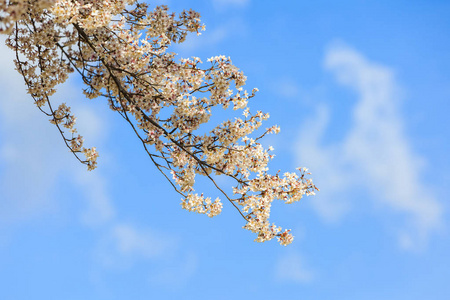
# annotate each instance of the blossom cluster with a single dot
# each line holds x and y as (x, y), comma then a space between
(120, 48)
(39, 43)
(202, 205)
(15, 10)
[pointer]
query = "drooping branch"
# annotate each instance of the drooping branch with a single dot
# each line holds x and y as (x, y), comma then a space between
(122, 54)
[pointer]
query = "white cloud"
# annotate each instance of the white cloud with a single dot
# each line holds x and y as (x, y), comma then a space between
(125, 244)
(291, 268)
(36, 166)
(286, 87)
(211, 37)
(176, 273)
(375, 153)
(34, 158)
(28, 169)
(92, 124)
(131, 242)
(99, 208)
(330, 174)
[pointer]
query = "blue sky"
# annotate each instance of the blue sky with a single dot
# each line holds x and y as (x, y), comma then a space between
(361, 91)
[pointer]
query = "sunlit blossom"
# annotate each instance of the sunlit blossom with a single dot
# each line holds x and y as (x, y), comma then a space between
(120, 48)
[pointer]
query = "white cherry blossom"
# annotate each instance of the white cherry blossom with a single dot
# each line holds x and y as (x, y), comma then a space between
(121, 50)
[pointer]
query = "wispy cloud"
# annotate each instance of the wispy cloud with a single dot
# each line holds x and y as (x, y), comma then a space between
(286, 87)
(177, 272)
(35, 167)
(29, 170)
(34, 162)
(132, 242)
(211, 37)
(92, 124)
(375, 153)
(99, 207)
(291, 267)
(331, 173)
(124, 244)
